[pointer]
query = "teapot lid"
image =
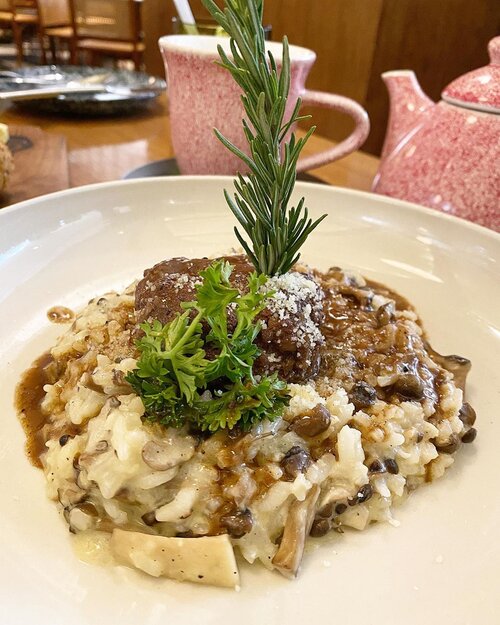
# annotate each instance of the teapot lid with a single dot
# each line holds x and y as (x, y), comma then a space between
(479, 89)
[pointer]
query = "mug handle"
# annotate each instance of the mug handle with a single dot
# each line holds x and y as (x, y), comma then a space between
(348, 145)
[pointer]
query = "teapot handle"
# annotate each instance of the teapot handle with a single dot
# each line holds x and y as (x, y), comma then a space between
(348, 145)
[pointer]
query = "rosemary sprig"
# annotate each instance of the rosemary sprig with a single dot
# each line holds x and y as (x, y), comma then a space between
(260, 204)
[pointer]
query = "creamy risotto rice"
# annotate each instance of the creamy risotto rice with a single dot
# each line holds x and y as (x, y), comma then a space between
(381, 415)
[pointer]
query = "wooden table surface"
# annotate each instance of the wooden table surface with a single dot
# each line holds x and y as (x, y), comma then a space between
(102, 149)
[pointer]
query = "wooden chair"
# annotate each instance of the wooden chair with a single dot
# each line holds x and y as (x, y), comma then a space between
(25, 15)
(6, 14)
(56, 24)
(108, 27)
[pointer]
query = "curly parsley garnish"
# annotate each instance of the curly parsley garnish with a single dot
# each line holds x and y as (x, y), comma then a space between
(180, 385)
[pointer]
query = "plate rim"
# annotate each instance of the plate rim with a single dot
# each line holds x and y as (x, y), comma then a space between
(431, 213)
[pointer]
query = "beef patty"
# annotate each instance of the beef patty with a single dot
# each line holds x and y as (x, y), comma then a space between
(290, 339)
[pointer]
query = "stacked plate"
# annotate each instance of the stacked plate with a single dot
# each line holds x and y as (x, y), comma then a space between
(110, 92)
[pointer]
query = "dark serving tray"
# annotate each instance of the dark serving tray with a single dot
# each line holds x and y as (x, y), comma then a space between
(96, 104)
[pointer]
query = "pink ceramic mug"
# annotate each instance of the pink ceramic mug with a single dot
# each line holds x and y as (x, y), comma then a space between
(203, 95)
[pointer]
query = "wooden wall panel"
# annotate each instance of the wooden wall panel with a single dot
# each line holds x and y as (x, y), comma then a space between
(156, 22)
(356, 40)
(343, 35)
(438, 39)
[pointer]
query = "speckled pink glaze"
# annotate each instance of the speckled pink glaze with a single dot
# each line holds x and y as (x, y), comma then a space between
(202, 96)
(444, 155)
(479, 89)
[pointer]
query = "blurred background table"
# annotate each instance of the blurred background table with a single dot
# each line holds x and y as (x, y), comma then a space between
(102, 149)
(355, 41)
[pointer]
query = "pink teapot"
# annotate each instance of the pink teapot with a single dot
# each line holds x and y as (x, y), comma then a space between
(446, 155)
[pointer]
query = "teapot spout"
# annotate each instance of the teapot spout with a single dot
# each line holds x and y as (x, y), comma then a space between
(407, 103)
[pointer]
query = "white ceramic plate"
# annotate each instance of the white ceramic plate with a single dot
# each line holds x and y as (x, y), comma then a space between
(442, 565)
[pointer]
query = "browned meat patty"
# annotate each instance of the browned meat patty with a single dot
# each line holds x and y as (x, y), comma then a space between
(290, 339)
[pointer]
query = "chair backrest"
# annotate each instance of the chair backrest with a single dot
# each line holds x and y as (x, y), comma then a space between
(117, 20)
(54, 12)
(24, 6)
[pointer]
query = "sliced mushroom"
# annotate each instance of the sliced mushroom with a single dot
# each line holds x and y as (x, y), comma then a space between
(363, 494)
(362, 294)
(237, 523)
(161, 456)
(467, 415)
(156, 456)
(71, 495)
(101, 446)
(458, 365)
(320, 527)
(340, 508)
(114, 402)
(297, 527)
(85, 461)
(80, 517)
(296, 461)
(391, 466)
(469, 436)
(376, 466)
(409, 386)
(313, 422)
(64, 439)
(385, 314)
(363, 395)
(204, 560)
(326, 511)
(119, 377)
(450, 446)
(149, 518)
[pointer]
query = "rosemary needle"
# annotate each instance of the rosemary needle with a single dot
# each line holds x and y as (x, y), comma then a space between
(275, 232)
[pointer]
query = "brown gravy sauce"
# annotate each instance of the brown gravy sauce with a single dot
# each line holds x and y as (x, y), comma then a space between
(60, 314)
(401, 302)
(28, 399)
(28, 403)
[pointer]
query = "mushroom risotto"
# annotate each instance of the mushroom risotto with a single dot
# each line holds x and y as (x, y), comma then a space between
(341, 409)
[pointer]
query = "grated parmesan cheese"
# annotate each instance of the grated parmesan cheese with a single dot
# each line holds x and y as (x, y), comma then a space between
(296, 294)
